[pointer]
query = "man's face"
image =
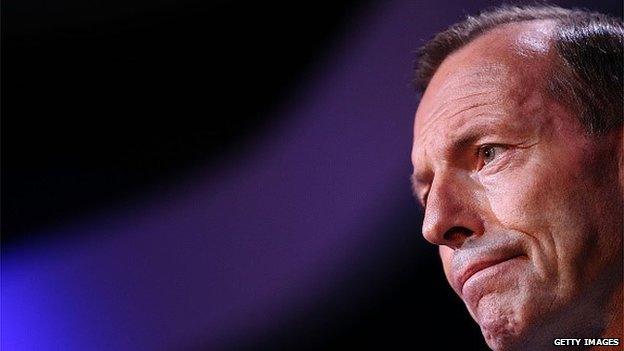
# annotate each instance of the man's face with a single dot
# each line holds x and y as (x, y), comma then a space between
(524, 205)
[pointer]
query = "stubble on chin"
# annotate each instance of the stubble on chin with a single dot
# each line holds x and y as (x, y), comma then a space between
(499, 321)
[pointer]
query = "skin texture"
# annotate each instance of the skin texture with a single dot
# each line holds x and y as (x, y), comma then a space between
(525, 206)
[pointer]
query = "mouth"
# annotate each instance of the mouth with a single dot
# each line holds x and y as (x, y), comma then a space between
(479, 266)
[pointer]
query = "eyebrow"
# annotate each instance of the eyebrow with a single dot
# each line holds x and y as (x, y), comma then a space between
(477, 130)
(469, 136)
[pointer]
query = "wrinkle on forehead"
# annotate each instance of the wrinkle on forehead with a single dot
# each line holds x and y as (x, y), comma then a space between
(455, 122)
(465, 77)
(467, 93)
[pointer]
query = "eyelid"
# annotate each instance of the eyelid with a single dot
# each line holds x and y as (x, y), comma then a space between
(420, 188)
(480, 148)
(424, 199)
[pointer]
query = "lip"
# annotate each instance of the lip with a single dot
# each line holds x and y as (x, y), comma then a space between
(478, 266)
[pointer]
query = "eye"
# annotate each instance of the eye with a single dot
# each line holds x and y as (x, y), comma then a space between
(424, 199)
(489, 153)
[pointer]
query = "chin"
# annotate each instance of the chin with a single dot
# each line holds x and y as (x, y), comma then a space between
(501, 323)
(503, 341)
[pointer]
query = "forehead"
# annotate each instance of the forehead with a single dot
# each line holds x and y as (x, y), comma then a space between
(491, 79)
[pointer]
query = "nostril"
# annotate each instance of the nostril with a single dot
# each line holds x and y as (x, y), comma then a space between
(457, 235)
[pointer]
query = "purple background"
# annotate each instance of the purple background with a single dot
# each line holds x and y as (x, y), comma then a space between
(270, 244)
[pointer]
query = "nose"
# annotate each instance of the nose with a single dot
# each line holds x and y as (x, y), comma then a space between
(452, 212)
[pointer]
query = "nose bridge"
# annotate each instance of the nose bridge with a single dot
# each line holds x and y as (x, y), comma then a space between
(451, 214)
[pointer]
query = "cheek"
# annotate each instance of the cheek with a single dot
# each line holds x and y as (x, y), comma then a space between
(518, 200)
(446, 255)
(536, 194)
(540, 200)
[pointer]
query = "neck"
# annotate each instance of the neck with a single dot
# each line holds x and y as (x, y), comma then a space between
(615, 327)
